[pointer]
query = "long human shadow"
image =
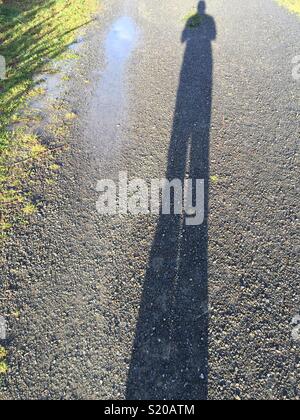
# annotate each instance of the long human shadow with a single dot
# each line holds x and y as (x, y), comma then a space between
(170, 352)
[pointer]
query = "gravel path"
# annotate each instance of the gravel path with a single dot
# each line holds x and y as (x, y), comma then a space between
(142, 306)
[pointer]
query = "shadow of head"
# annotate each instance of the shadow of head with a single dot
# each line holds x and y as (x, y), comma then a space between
(201, 7)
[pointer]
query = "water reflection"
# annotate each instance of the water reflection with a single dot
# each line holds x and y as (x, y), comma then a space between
(121, 40)
(109, 104)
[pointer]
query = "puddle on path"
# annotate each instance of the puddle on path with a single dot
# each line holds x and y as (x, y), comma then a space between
(121, 40)
(109, 103)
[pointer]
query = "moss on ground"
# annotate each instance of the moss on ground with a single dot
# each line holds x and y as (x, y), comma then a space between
(3, 363)
(193, 19)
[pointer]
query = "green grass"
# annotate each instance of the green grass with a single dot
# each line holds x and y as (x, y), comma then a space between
(3, 364)
(33, 33)
(292, 5)
(193, 19)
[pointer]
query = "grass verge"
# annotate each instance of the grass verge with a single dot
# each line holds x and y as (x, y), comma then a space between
(292, 5)
(33, 34)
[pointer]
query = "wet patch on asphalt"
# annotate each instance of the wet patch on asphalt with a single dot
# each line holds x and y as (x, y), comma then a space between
(109, 106)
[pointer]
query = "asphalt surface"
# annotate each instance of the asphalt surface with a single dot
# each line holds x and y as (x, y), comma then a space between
(144, 306)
